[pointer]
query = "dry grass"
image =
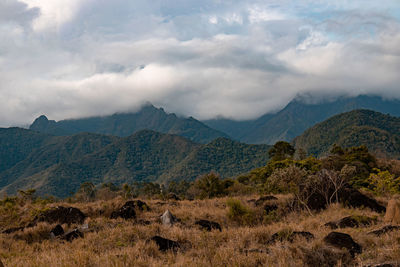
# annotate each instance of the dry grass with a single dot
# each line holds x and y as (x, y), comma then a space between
(124, 243)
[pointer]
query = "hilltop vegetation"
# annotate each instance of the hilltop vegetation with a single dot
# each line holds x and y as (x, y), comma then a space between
(379, 132)
(57, 165)
(126, 124)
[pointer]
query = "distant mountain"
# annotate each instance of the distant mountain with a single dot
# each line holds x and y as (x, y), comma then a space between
(296, 117)
(125, 124)
(379, 132)
(57, 165)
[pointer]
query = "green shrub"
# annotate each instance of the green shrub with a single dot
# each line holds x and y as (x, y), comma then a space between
(240, 213)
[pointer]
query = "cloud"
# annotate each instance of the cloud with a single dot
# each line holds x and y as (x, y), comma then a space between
(76, 58)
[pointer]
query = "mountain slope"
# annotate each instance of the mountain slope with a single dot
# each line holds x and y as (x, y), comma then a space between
(125, 124)
(62, 163)
(379, 132)
(296, 117)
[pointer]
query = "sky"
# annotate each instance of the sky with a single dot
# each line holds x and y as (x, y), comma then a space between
(206, 59)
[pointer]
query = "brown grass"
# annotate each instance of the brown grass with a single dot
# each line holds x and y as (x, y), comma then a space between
(125, 243)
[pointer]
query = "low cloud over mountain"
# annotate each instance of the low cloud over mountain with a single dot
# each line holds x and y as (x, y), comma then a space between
(75, 58)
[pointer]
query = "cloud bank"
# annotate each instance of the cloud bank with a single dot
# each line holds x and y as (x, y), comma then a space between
(236, 59)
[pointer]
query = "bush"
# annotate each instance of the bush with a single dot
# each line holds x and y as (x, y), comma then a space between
(384, 183)
(239, 213)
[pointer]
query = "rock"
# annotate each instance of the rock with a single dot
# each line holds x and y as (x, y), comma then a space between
(392, 215)
(127, 211)
(354, 198)
(168, 219)
(341, 240)
(57, 231)
(172, 196)
(73, 234)
(270, 207)
(138, 204)
(60, 215)
(351, 221)
(288, 235)
(143, 222)
(165, 244)
(208, 225)
(12, 230)
(347, 196)
(384, 230)
(261, 200)
(316, 202)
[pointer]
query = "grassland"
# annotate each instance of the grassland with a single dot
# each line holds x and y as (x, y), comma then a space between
(119, 242)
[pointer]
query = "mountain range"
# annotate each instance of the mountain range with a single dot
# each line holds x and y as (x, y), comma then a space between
(57, 165)
(298, 116)
(125, 124)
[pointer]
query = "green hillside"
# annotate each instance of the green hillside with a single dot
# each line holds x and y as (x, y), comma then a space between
(125, 124)
(61, 163)
(379, 132)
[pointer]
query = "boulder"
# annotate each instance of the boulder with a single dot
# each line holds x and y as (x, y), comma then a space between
(165, 244)
(392, 215)
(127, 211)
(13, 230)
(60, 215)
(351, 221)
(354, 198)
(341, 240)
(138, 204)
(270, 207)
(57, 231)
(168, 219)
(384, 230)
(288, 235)
(208, 225)
(262, 199)
(73, 234)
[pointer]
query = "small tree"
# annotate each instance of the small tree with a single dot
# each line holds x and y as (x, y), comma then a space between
(208, 186)
(281, 150)
(87, 190)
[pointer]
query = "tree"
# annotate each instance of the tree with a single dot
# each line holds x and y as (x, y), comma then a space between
(208, 186)
(87, 189)
(281, 150)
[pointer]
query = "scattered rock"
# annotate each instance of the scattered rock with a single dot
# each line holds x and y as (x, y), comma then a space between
(127, 211)
(73, 234)
(341, 240)
(354, 198)
(168, 219)
(384, 230)
(13, 230)
(351, 221)
(60, 215)
(57, 231)
(270, 207)
(288, 235)
(208, 225)
(393, 212)
(326, 256)
(165, 244)
(172, 196)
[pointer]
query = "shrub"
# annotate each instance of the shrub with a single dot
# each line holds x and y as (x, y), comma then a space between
(239, 213)
(384, 183)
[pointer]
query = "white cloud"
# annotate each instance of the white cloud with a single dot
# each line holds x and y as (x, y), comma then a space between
(72, 58)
